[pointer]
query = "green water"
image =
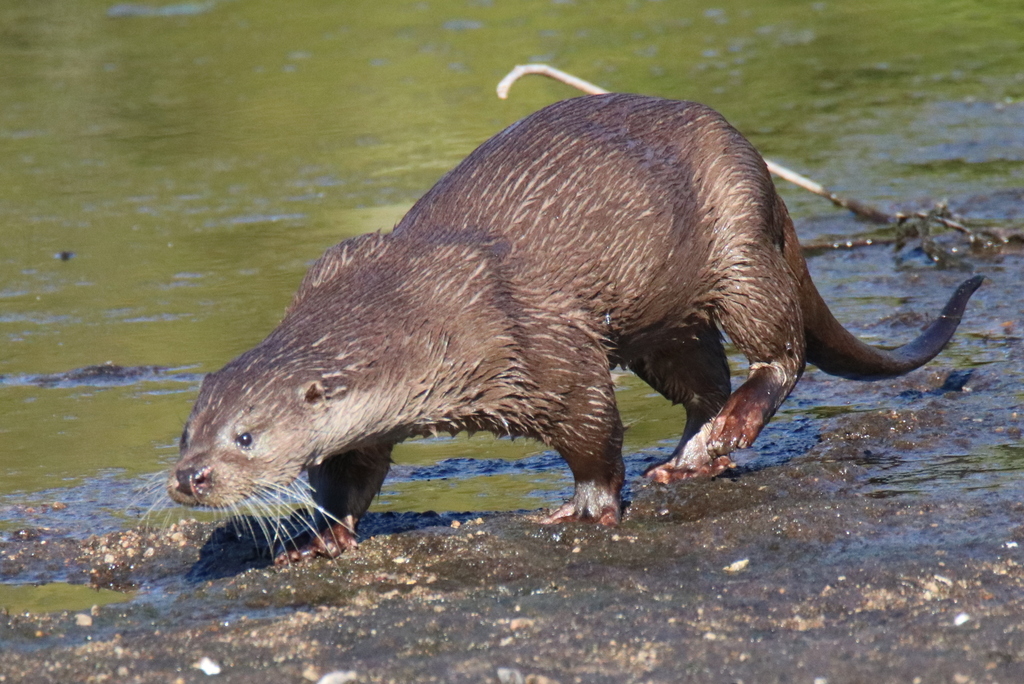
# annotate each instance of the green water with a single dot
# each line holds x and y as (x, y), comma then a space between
(46, 598)
(197, 157)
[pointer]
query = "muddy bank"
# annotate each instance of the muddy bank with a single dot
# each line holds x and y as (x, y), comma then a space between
(825, 566)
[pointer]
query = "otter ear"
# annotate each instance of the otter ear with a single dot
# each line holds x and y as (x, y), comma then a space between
(315, 393)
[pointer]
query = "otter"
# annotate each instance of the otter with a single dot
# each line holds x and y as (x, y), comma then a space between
(601, 231)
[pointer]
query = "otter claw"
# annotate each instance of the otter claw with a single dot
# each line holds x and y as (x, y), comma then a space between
(609, 516)
(331, 542)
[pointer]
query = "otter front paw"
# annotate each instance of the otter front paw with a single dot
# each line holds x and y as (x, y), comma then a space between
(607, 515)
(330, 542)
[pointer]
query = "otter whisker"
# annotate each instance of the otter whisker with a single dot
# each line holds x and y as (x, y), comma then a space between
(289, 496)
(265, 518)
(151, 496)
(148, 490)
(243, 521)
(271, 507)
(248, 515)
(300, 491)
(283, 500)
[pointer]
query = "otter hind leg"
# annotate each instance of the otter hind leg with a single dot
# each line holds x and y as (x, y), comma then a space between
(343, 487)
(695, 375)
(760, 311)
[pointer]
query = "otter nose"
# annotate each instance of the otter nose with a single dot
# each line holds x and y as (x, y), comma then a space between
(194, 480)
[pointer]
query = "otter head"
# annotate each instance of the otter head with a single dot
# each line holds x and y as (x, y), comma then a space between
(255, 426)
(372, 350)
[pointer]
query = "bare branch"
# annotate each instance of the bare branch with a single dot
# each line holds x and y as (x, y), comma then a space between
(551, 72)
(873, 214)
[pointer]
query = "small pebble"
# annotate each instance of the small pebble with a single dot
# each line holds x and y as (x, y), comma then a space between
(961, 619)
(737, 566)
(510, 675)
(83, 620)
(338, 677)
(209, 667)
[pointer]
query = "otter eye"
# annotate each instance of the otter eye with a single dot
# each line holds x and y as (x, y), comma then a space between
(244, 440)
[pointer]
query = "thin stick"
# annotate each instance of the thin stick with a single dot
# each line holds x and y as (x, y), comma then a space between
(860, 208)
(551, 72)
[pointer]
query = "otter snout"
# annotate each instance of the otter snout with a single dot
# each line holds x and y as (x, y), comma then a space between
(212, 479)
(193, 480)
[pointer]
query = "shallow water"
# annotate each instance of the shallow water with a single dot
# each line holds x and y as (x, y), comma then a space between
(57, 596)
(192, 159)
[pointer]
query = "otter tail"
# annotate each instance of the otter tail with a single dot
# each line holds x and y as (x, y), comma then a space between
(836, 351)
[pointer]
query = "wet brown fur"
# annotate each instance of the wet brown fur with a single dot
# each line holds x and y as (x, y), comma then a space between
(601, 231)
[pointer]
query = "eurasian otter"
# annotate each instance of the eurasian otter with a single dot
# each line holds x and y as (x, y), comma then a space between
(602, 231)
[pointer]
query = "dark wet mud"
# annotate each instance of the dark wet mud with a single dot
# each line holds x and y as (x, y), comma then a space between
(876, 533)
